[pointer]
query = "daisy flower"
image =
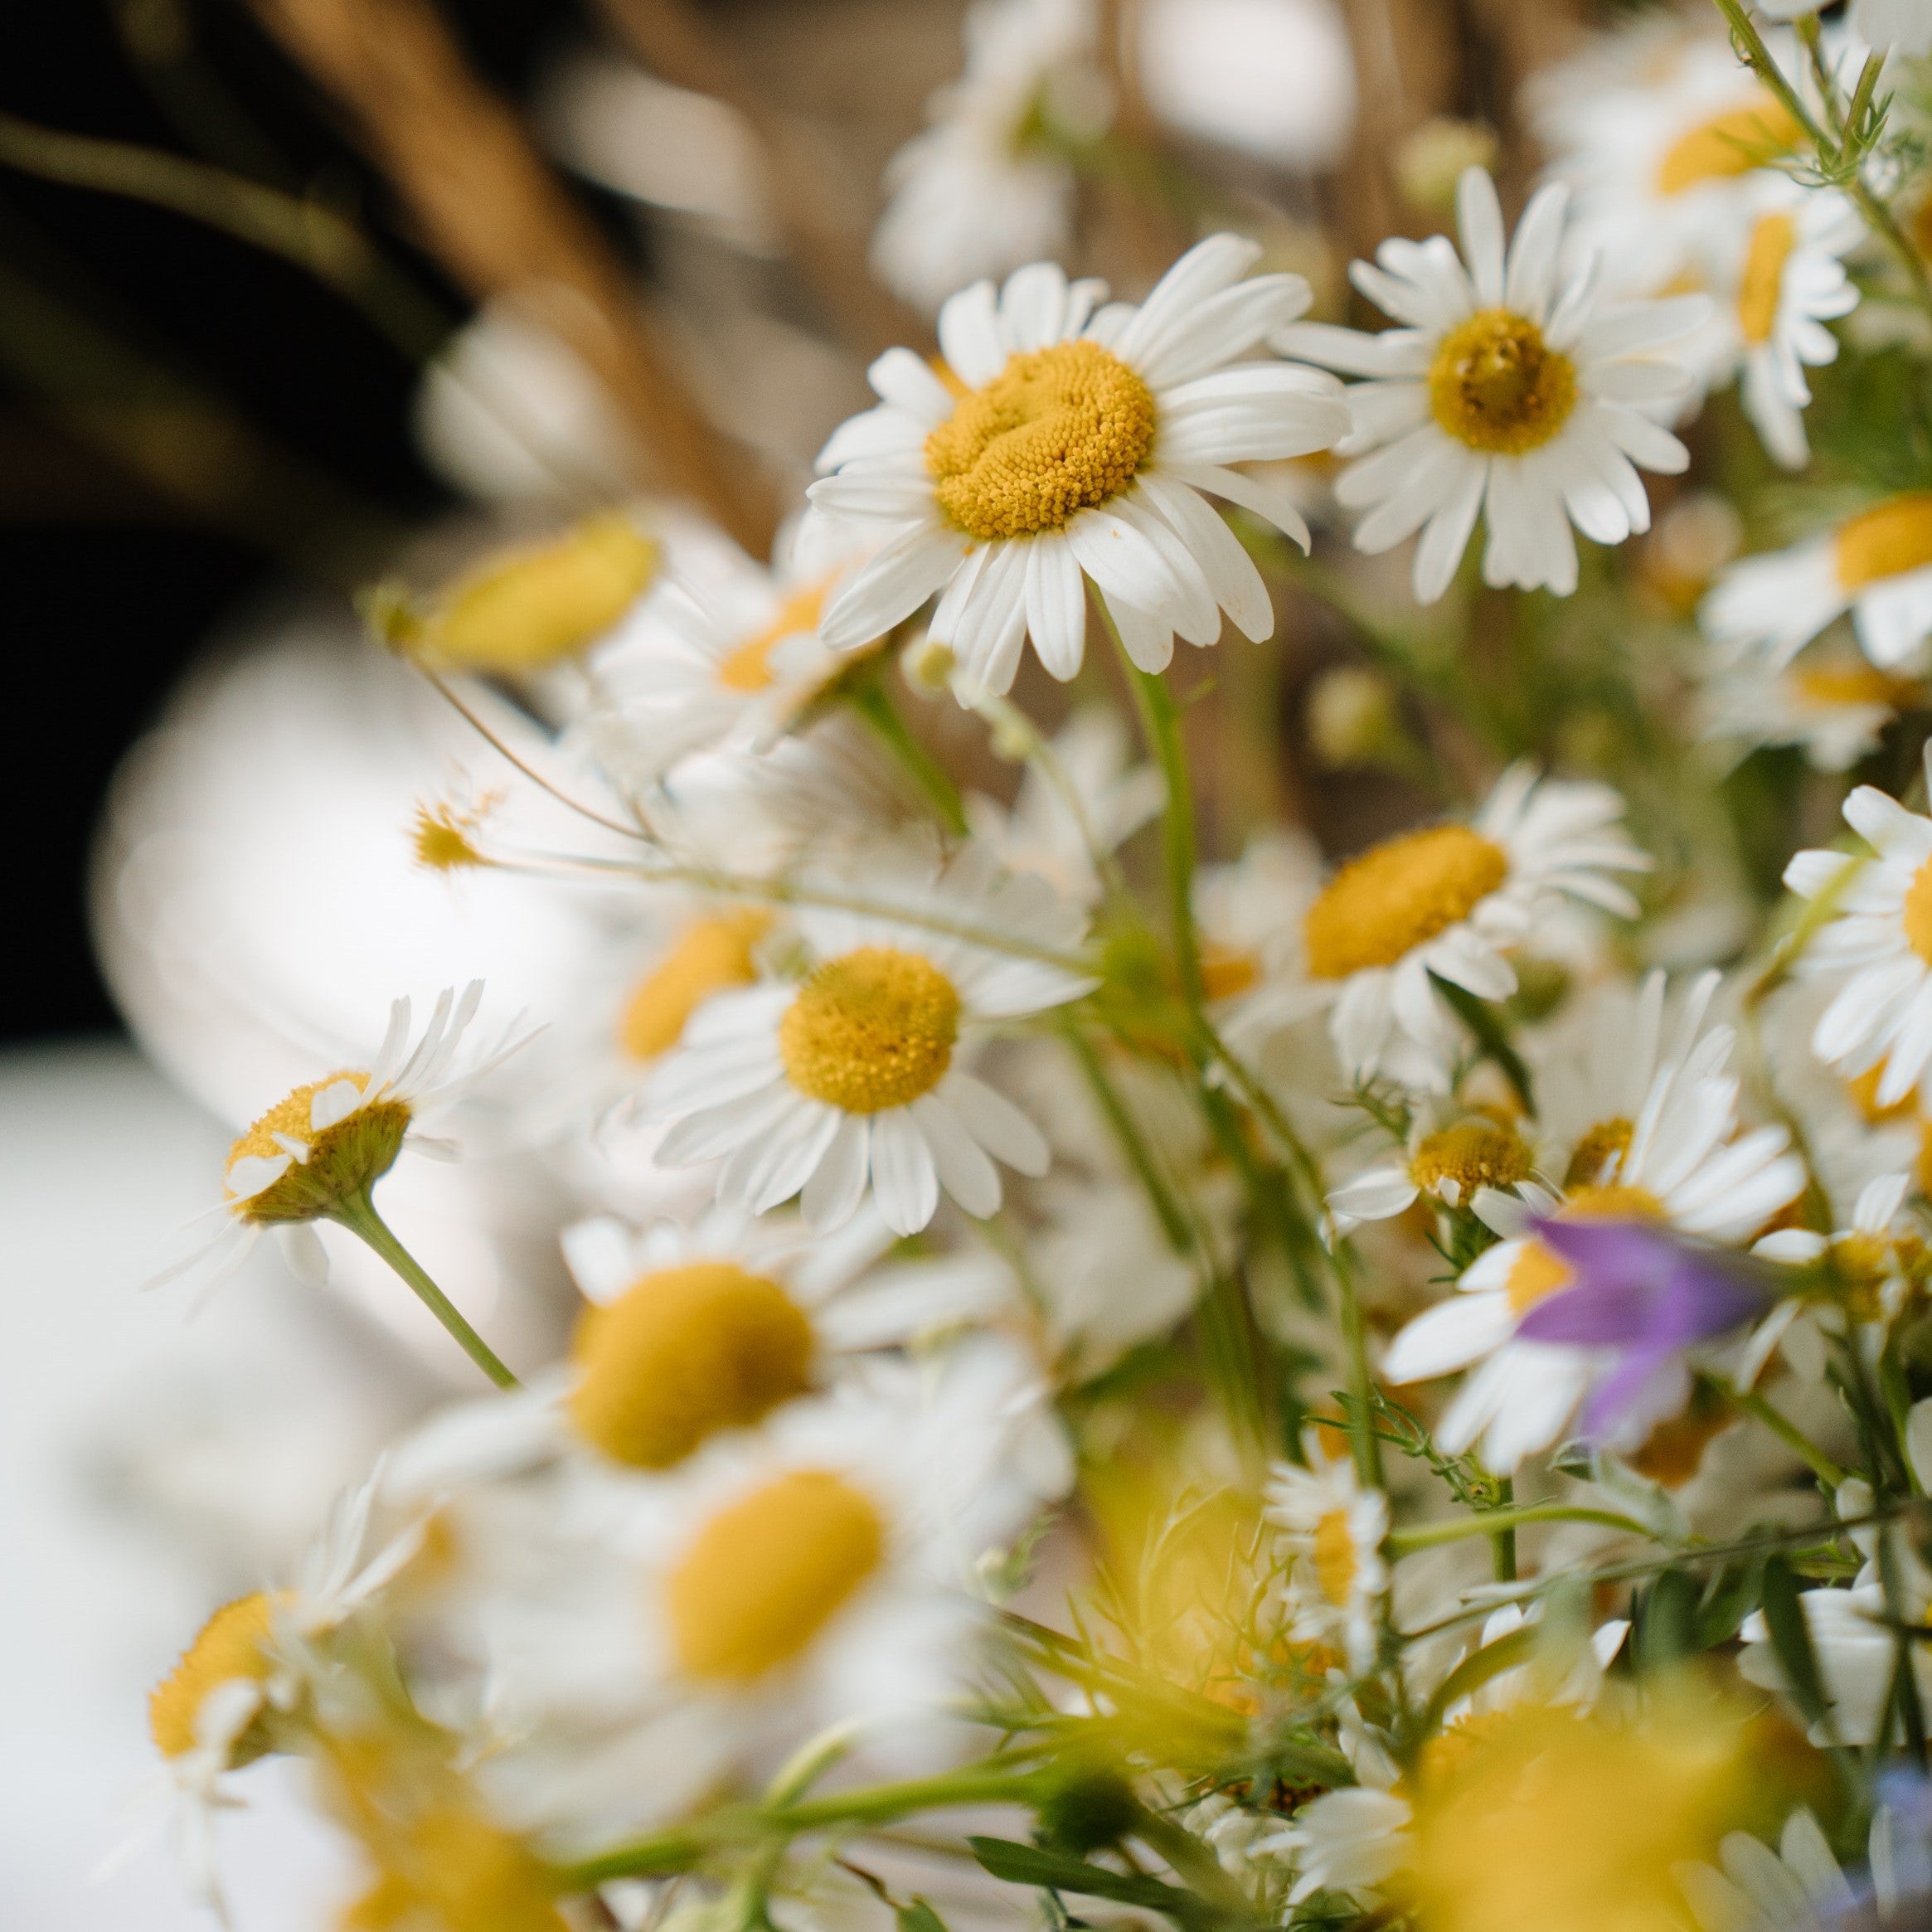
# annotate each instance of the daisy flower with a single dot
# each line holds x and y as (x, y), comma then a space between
(981, 190)
(1351, 1841)
(1661, 133)
(806, 1574)
(1835, 705)
(1448, 902)
(1799, 1885)
(846, 1081)
(1790, 282)
(1877, 564)
(1876, 944)
(1082, 802)
(1504, 392)
(1449, 1163)
(690, 1332)
(1678, 1160)
(727, 654)
(326, 1144)
(1059, 443)
(1332, 1531)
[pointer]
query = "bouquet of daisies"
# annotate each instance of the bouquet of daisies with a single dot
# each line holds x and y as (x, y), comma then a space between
(1147, 1366)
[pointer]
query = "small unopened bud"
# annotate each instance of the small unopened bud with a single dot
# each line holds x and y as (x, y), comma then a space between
(1429, 162)
(1093, 1807)
(1694, 540)
(441, 835)
(927, 666)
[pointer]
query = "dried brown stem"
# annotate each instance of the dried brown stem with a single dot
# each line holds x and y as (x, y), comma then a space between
(492, 212)
(679, 46)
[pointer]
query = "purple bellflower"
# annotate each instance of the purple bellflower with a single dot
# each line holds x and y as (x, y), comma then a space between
(1644, 1296)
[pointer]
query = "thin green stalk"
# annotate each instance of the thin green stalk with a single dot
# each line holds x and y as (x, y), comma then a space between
(357, 1214)
(679, 1849)
(1502, 1543)
(1747, 1403)
(1160, 725)
(1363, 1441)
(869, 698)
(1126, 1130)
(1489, 1522)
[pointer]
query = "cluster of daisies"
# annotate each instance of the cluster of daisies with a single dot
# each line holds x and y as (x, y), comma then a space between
(1257, 1361)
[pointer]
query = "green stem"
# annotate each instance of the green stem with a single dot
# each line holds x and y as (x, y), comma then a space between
(1126, 1130)
(1361, 1431)
(1160, 725)
(357, 1214)
(1503, 1544)
(869, 698)
(1746, 1403)
(679, 1849)
(1489, 1522)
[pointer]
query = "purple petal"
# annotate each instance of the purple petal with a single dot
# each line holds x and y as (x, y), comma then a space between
(1639, 1287)
(1622, 1391)
(1627, 1251)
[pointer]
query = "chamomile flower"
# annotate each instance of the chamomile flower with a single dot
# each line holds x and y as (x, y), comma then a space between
(1352, 1841)
(846, 1081)
(1064, 441)
(980, 191)
(328, 1141)
(1073, 809)
(1450, 1162)
(809, 1573)
(1505, 392)
(1877, 564)
(1875, 946)
(1661, 133)
(1679, 1160)
(731, 657)
(1790, 282)
(1833, 704)
(1799, 1886)
(1449, 902)
(1332, 1531)
(691, 1333)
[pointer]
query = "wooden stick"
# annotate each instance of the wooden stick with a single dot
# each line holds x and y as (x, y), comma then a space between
(492, 212)
(679, 46)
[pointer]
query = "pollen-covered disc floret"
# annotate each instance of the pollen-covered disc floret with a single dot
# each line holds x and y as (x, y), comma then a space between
(1061, 442)
(851, 1081)
(1449, 902)
(232, 1648)
(1507, 392)
(329, 1141)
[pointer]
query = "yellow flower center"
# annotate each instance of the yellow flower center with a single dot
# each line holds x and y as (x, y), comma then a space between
(1536, 1272)
(872, 1030)
(342, 1159)
(1335, 1557)
(1613, 1202)
(1226, 971)
(710, 955)
(231, 1645)
(1763, 282)
(748, 668)
(682, 1354)
(1400, 896)
(1056, 431)
(449, 1870)
(537, 606)
(1917, 913)
(1734, 143)
(766, 1574)
(1498, 387)
(1607, 1141)
(1474, 1153)
(1886, 541)
(1855, 684)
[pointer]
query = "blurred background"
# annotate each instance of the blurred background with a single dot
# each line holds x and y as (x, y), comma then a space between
(288, 286)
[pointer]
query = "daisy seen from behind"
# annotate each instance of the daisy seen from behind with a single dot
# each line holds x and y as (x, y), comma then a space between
(1877, 942)
(1876, 564)
(316, 1154)
(1507, 391)
(848, 1081)
(1448, 902)
(1064, 441)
